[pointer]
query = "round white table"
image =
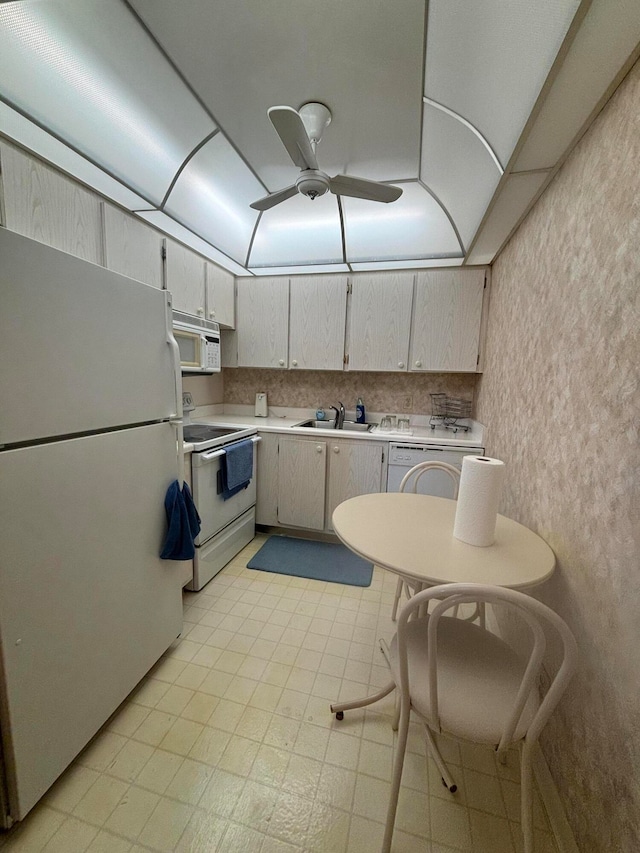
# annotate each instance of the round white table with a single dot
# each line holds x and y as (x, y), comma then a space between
(412, 535)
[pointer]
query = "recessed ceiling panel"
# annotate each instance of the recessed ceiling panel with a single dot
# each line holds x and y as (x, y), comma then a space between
(515, 197)
(488, 61)
(299, 231)
(87, 71)
(212, 197)
(364, 60)
(175, 229)
(607, 38)
(414, 226)
(37, 140)
(458, 168)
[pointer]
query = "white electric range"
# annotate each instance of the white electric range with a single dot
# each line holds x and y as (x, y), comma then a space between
(227, 525)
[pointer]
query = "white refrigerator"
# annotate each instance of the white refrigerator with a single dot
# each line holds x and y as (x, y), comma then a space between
(90, 440)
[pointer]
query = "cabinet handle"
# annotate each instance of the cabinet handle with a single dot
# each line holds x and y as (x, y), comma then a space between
(212, 314)
(318, 448)
(336, 449)
(281, 362)
(418, 364)
(294, 363)
(200, 311)
(401, 364)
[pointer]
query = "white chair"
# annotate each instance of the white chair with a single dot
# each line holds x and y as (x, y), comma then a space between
(464, 681)
(410, 484)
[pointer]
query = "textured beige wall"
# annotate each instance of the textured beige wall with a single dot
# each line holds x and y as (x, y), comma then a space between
(381, 392)
(206, 390)
(561, 397)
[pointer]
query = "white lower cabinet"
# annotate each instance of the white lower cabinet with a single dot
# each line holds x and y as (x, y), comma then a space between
(302, 465)
(355, 468)
(302, 480)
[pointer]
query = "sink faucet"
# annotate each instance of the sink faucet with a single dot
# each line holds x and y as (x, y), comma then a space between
(339, 421)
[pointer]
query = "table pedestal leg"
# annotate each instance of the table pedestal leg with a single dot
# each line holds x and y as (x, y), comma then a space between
(338, 708)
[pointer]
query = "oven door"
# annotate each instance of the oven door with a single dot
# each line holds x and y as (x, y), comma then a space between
(216, 513)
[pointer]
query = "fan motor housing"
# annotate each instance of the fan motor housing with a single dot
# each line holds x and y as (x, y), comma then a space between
(312, 183)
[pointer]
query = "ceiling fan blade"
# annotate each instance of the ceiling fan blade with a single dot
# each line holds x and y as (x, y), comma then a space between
(274, 198)
(361, 188)
(291, 130)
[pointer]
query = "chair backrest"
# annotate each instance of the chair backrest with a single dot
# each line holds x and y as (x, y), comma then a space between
(533, 612)
(410, 480)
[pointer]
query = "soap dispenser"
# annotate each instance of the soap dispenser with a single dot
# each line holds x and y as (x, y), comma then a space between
(360, 417)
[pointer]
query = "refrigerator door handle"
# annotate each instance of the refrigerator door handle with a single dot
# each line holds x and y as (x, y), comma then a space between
(177, 373)
(176, 423)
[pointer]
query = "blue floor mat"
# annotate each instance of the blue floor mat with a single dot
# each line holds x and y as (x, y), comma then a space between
(304, 558)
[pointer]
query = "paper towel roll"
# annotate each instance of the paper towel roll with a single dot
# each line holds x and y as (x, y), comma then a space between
(478, 499)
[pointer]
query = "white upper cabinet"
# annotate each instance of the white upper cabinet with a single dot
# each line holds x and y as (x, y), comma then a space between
(221, 296)
(446, 320)
(185, 279)
(380, 321)
(263, 322)
(131, 248)
(318, 310)
(45, 205)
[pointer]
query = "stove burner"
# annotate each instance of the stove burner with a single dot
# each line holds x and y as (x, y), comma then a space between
(204, 432)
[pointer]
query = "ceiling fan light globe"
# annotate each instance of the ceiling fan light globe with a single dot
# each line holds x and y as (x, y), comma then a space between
(312, 184)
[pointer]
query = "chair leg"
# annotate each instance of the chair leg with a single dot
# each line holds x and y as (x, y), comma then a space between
(396, 601)
(526, 797)
(396, 713)
(397, 775)
(447, 779)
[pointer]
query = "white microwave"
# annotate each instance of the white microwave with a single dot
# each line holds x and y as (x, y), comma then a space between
(198, 342)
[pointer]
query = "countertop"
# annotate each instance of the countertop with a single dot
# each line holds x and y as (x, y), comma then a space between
(289, 423)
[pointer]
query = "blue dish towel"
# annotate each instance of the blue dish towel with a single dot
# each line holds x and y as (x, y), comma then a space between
(183, 521)
(237, 468)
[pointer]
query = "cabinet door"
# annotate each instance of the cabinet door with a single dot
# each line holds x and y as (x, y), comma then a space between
(131, 247)
(267, 479)
(263, 322)
(380, 321)
(318, 310)
(185, 278)
(221, 296)
(446, 320)
(41, 203)
(355, 468)
(301, 482)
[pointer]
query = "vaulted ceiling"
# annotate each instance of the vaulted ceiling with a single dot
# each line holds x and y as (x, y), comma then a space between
(469, 107)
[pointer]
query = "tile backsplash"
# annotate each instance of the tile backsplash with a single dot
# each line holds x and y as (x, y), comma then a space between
(381, 392)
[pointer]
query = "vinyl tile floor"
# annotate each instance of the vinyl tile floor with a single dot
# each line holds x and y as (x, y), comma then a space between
(229, 745)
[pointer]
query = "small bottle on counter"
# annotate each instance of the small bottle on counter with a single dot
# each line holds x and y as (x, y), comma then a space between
(320, 414)
(360, 415)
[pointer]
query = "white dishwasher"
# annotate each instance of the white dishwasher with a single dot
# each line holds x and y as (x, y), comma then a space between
(402, 457)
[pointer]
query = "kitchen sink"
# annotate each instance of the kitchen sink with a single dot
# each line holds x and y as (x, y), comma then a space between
(348, 426)
(311, 424)
(353, 426)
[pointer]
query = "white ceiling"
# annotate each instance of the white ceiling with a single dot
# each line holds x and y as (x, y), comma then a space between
(162, 106)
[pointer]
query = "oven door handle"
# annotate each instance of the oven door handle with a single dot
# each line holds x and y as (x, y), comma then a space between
(210, 455)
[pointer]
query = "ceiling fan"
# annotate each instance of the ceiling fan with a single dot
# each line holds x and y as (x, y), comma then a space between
(300, 132)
